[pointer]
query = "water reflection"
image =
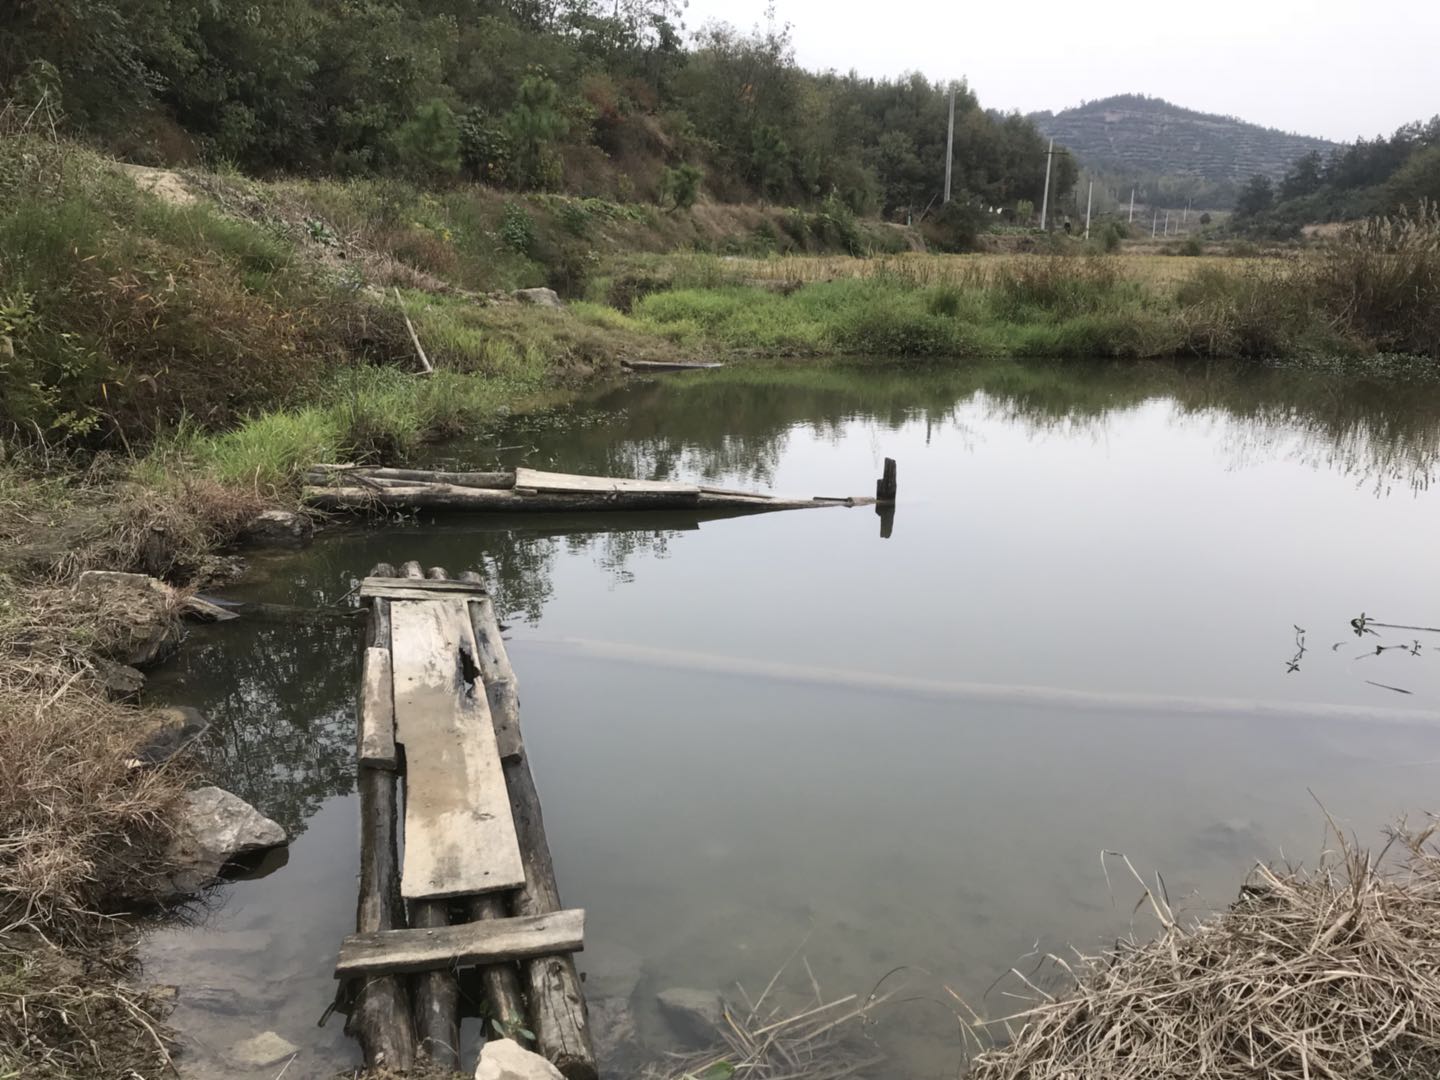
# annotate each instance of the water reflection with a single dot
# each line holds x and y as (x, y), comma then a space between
(1105, 541)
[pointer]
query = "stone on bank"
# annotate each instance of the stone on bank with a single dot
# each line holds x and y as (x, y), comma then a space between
(213, 828)
(505, 1059)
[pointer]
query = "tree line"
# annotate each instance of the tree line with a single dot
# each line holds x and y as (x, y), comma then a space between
(590, 96)
(1366, 178)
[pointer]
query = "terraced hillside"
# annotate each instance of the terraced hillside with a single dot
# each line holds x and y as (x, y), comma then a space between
(1132, 132)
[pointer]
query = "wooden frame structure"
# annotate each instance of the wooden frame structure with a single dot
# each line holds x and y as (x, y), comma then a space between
(439, 748)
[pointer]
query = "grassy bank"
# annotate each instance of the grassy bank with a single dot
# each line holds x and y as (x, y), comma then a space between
(1372, 291)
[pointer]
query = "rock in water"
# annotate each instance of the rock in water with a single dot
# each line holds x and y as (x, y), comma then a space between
(279, 528)
(694, 1015)
(262, 1050)
(146, 607)
(617, 1040)
(505, 1059)
(215, 827)
(539, 297)
(167, 732)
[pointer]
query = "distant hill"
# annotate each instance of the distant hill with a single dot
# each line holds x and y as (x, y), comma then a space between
(1134, 133)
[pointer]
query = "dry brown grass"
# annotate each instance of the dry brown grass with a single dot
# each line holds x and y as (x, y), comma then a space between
(1332, 973)
(67, 1016)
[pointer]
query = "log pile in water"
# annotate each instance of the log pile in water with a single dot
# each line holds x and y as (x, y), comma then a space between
(337, 487)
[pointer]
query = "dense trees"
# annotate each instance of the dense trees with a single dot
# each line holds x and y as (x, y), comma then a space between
(1378, 176)
(591, 95)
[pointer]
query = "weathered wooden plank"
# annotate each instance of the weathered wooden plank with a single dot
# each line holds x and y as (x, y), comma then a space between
(491, 941)
(377, 711)
(459, 837)
(565, 482)
(391, 587)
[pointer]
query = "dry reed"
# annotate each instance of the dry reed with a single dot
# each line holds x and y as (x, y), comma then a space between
(1330, 973)
(811, 1040)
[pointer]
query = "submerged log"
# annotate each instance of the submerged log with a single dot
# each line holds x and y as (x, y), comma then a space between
(380, 1018)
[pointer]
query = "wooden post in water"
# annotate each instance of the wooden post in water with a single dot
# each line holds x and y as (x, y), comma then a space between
(885, 486)
(437, 993)
(380, 1017)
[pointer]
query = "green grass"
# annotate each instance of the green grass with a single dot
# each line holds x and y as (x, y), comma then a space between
(1043, 307)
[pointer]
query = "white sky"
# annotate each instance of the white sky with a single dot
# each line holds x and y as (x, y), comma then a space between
(1324, 67)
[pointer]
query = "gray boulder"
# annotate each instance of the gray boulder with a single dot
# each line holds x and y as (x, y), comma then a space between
(505, 1059)
(278, 528)
(145, 607)
(214, 828)
(614, 1033)
(539, 297)
(694, 1015)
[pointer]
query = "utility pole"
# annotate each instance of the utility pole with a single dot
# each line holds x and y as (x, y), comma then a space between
(1045, 201)
(1132, 204)
(1167, 222)
(1186, 219)
(1155, 225)
(949, 146)
(1089, 201)
(950, 143)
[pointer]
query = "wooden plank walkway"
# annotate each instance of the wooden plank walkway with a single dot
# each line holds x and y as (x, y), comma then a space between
(439, 714)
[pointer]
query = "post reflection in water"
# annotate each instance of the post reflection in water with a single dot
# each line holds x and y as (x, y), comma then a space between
(1111, 528)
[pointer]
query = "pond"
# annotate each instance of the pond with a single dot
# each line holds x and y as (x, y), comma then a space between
(1113, 613)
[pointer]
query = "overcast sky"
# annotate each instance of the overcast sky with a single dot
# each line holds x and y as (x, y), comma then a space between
(1323, 67)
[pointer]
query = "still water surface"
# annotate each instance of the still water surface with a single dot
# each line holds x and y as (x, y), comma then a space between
(1084, 633)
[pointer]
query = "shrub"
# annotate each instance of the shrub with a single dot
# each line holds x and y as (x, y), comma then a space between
(517, 229)
(680, 186)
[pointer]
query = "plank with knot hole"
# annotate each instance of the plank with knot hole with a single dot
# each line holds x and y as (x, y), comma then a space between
(459, 834)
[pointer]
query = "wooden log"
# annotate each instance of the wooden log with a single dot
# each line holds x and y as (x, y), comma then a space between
(558, 1017)
(469, 944)
(459, 838)
(380, 1016)
(451, 497)
(377, 711)
(502, 688)
(885, 486)
(497, 480)
(437, 992)
(428, 589)
(501, 982)
(558, 483)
